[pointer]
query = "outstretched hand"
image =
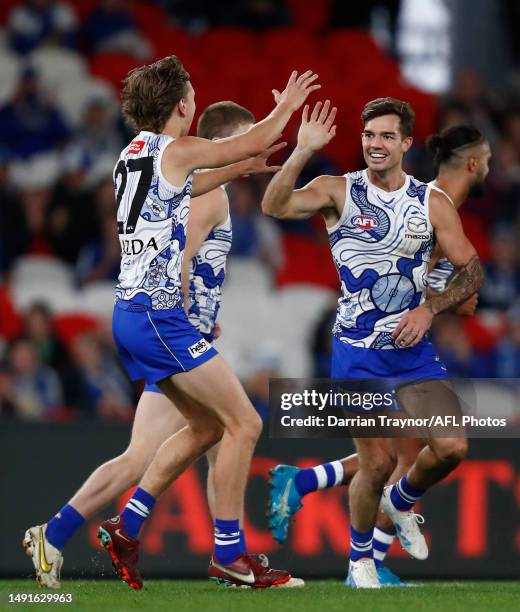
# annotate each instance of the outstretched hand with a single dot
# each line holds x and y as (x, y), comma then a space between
(258, 164)
(318, 131)
(297, 89)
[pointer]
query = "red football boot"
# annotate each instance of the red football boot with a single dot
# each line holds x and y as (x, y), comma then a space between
(123, 550)
(247, 571)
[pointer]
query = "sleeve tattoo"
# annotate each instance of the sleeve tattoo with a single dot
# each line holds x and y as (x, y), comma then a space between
(465, 282)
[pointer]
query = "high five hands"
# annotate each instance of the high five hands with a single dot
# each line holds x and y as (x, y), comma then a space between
(318, 130)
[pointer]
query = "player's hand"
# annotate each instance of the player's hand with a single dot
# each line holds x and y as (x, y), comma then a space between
(217, 331)
(412, 327)
(258, 164)
(467, 308)
(297, 89)
(318, 131)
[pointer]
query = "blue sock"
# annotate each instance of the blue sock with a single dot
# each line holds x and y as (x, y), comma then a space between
(228, 542)
(403, 496)
(136, 511)
(243, 545)
(63, 526)
(360, 544)
(381, 543)
(319, 477)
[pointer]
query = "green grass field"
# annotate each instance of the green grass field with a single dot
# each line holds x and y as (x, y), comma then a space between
(328, 596)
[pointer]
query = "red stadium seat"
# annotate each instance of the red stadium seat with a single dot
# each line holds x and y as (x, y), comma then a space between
(5, 8)
(113, 66)
(310, 16)
(69, 326)
(224, 42)
(306, 261)
(171, 41)
(150, 18)
(82, 8)
(357, 45)
(281, 41)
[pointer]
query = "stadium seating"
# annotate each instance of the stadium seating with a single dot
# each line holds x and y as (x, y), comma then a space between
(58, 67)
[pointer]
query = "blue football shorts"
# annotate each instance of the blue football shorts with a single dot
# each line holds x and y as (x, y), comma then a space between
(387, 367)
(156, 344)
(155, 388)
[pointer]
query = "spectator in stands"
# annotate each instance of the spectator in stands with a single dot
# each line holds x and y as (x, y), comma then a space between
(36, 22)
(98, 141)
(455, 350)
(73, 220)
(263, 14)
(39, 330)
(502, 283)
(508, 350)
(105, 391)
(100, 259)
(254, 235)
(111, 27)
(26, 229)
(34, 389)
(505, 180)
(30, 123)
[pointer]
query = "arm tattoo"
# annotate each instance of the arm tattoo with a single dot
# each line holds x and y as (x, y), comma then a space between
(464, 283)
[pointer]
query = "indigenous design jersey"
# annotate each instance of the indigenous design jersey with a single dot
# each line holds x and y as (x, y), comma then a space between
(438, 277)
(208, 270)
(381, 247)
(152, 216)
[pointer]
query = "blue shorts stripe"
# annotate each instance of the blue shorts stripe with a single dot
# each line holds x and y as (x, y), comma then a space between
(164, 343)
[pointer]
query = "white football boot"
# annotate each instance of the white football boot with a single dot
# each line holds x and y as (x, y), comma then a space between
(407, 527)
(362, 574)
(46, 559)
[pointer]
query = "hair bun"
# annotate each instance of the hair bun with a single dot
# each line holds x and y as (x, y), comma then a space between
(435, 143)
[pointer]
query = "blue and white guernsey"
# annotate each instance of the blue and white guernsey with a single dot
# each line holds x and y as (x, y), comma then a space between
(381, 247)
(152, 216)
(439, 276)
(208, 270)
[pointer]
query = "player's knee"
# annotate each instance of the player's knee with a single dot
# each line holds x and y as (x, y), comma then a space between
(380, 466)
(452, 452)
(251, 426)
(209, 434)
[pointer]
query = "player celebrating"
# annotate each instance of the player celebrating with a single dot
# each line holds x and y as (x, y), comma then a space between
(154, 337)
(381, 225)
(209, 212)
(460, 158)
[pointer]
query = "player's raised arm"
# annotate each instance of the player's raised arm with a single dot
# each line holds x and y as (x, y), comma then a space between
(207, 180)
(467, 280)
(281, 199)
(189, 153)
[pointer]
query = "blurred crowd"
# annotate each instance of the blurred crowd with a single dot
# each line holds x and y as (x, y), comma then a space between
(56, 199)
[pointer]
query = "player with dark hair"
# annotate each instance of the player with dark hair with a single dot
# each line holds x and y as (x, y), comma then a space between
(154, 181)
(460, 160)
(381, 225)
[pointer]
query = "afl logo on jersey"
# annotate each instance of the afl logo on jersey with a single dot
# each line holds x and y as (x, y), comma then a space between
(136, 147)
(365, 222)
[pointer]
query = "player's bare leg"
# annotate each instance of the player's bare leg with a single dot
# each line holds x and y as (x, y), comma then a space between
(435, 461)
(103, 486)
(156, 419)
(375, 464)
(212, 400)
(221, 405)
